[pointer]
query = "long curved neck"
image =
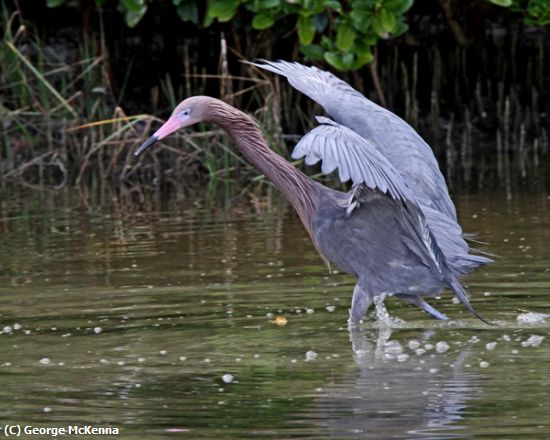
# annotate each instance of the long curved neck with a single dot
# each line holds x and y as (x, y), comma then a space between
(300, 190)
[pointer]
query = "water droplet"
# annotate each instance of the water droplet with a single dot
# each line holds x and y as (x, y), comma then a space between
(45, 361)
(414, 344)
(484, 364)
(97, 330)
(311, 355)
(490, 345)
(227, 378)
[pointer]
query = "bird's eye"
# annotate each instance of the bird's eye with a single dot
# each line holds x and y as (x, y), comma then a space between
(185, 113)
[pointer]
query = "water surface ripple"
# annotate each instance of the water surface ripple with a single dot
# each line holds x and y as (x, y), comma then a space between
(166, 324)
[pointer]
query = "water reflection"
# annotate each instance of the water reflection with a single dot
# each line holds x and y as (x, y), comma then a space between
(145, 314)
(426, 393)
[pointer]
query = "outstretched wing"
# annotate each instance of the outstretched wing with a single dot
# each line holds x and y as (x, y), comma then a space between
(411, 157)
(358, 160)
(323, 87)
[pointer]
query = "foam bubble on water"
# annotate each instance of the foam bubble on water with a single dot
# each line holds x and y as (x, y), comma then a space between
(228, 378)
(420, 351)
(414, 344)
(311, 355)
(17, 326)
(162, 352)
(403, 357)
(490, 345)
(330, 308)
(484, 364)
(428, 347)
(506, 338)
(433, 370)
(97, 330)
(441, 347)
(393, 347)
(45, 361)
(532, 317)
(533, 341)
(183, 358)
(47, 409)
(7, 329)
(310, 311)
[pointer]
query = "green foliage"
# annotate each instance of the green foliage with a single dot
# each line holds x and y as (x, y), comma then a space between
(535, 12)
(341, 32)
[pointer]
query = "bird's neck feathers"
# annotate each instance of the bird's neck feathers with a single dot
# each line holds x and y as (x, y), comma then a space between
(299, 189)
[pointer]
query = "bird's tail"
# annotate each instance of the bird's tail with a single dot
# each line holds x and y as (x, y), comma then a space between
(463, 296)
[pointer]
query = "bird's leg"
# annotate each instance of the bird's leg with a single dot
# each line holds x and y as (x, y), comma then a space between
(359, 305)
(418, 301)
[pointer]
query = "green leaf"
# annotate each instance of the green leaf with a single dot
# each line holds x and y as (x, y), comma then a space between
(335, 60)
(321, 22)
(363, 54)
(223, 10)
(398, 7)
(400, 28)
(345, 35)
(268, 4)
(333, 4)
(378, 28)
(54, 3)
(503, 3)
(100, 2)
(387, 20)
(312, 51)
(263, 21)
(188, 11)
(137, 6)
(133, 18)
(306, 29)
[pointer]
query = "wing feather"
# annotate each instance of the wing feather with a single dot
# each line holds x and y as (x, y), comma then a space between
(405, 149)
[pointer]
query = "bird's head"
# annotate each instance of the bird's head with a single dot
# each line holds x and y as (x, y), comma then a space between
(188, 112)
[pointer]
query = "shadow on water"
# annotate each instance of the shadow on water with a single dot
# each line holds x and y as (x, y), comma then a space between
(166, 323)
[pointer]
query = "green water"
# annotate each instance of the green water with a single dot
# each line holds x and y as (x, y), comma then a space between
(161, 324)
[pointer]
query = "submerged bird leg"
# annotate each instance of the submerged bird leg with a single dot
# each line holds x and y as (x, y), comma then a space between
(359, 305)
(418, 301)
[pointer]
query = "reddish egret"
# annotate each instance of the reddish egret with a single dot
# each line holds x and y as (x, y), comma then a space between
(396, 229)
